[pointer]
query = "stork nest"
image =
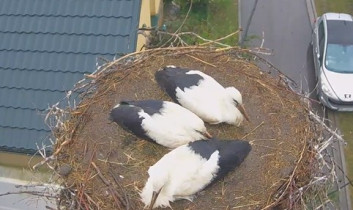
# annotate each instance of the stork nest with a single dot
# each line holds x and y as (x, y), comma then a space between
(109, 165)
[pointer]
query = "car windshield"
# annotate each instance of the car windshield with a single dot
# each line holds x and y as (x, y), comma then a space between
(339, 58)
(339, 50)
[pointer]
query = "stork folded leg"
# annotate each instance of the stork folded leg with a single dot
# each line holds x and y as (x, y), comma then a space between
(154, 198)
(208, 135)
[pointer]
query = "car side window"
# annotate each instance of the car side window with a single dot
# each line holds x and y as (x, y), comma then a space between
(321, 40)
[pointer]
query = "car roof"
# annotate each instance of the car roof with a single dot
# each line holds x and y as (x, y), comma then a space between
(337, 16)
(340, 31)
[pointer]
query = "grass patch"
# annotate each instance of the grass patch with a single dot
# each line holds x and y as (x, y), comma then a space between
(343, 6)
(210, 19)
(345, 122)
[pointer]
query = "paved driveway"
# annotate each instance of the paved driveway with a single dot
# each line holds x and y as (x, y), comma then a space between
(285, 27)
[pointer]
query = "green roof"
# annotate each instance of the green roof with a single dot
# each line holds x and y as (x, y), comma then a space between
(46, 47)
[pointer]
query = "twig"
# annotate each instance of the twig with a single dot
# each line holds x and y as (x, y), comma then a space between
(81, 194)
(208, 41)
(202, 61)
(289, 180)
(271, 90)
(220, 39)
(91, 200)
(126, 202)
(247, 205)
(112, 162)
(263, 122)
(36, 193)
(46, 160)
(106, 182)
(262, 43)
(315, 117)
(114, 193)
(182, 24)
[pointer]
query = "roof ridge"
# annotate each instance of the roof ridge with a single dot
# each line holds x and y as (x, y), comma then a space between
(63, 33)
(26, 108)
(24, 128)
(18, 150)
(33, 89)
(44, 70)
(57, 52)
(65, 15)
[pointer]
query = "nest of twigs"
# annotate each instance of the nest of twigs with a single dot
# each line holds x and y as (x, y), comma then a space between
(109, 165)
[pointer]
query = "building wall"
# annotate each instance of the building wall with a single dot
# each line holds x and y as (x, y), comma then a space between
(155, 7)
(148, 8)
(145, 20)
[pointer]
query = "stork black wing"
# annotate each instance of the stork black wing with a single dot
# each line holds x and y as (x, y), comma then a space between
(231, 153)
(151, 107)
(126, 115)
(171, 78)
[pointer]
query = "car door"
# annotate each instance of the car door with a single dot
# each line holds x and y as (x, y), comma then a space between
(318, 44)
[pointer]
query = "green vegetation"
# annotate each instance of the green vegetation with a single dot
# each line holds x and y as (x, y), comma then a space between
(344, 6)
(18, 166)
(211, 19)
(346, 126)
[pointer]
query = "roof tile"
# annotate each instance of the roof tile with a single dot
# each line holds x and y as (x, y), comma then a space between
(46, 47)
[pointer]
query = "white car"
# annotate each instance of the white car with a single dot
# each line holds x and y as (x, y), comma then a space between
(333, 57)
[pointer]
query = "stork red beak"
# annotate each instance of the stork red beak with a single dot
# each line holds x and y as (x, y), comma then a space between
(243, 112)
(154, 198)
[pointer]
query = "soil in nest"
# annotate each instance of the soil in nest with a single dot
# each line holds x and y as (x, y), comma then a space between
(277, 131)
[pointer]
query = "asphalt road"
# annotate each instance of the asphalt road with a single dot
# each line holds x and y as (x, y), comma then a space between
(285, 26)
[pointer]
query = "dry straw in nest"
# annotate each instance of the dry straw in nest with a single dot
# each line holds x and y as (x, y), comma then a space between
(109, 165)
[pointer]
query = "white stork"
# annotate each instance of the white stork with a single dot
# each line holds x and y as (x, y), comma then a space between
(190, 168)
(203, 95)
(162, 122)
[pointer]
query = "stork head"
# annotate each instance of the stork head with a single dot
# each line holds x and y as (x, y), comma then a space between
(237, 100)
(234, 93)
